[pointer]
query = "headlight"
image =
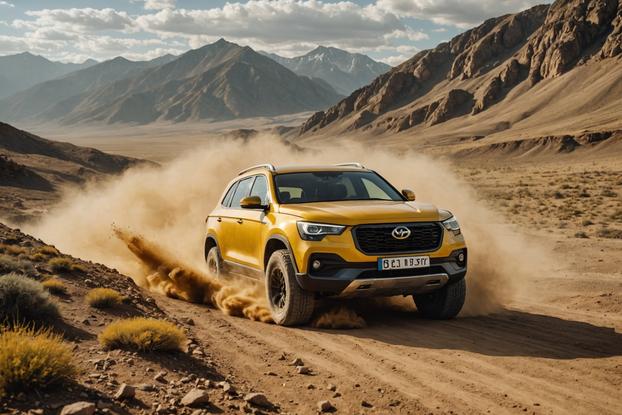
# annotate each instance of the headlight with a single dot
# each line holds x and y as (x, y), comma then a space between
(310, 231)
(452, 225)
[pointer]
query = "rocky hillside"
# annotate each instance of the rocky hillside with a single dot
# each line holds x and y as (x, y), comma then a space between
(514, 70)
(33, 170)
(21, 71)
(344, 71)
(118, 381)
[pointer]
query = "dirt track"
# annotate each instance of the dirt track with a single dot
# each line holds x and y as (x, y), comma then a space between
(540, 356)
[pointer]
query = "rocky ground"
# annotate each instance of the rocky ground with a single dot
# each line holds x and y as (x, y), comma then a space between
(123, 382)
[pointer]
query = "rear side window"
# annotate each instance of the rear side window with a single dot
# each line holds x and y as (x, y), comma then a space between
(244, 187)
(260, 188)
(227, 199)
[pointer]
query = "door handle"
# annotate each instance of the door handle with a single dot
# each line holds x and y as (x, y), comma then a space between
(219, 220)
(240, 221)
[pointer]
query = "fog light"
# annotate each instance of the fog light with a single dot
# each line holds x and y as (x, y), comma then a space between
(316, 264)
(461, 257)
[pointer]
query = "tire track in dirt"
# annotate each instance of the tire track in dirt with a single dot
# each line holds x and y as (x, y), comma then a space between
(504, 363)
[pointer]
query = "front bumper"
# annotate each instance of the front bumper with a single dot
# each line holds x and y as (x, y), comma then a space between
(355, 279)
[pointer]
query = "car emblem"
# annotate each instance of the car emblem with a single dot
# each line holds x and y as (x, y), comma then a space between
(401, 232)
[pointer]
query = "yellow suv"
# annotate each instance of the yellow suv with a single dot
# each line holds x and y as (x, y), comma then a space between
(340, 231)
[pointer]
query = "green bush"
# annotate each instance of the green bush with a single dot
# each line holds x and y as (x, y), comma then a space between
(23, 299)
(32, 360)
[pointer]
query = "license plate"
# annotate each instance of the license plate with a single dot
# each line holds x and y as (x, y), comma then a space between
(403, 262)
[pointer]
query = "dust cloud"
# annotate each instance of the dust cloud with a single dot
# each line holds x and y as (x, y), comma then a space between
(168, 206)
(164, 274)
(340, 318)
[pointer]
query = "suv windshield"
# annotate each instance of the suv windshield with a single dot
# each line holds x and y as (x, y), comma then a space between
(329, 186)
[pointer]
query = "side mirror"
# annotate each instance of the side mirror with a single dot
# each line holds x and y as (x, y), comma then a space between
(409, 195)
(251, 202)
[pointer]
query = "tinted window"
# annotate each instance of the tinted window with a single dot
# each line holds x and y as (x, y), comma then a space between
(333, 185)
(241, 192)
(260, 188)
(227, 199)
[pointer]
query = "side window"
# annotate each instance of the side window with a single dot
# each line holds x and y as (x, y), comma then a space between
(244, 186)
(260, 188)
(227, 199)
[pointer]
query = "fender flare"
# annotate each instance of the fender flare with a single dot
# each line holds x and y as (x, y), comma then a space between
(283, 239)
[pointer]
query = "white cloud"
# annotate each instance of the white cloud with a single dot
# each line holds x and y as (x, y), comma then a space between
(6, 3)
(159, 4)
(77, 20)
(281, 22)
(461, 13)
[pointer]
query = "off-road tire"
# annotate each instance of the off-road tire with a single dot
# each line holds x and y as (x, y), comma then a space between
(298, 304)
(214, 263)
(442, 304)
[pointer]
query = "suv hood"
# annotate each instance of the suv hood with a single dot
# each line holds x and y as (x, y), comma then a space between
(354, 212)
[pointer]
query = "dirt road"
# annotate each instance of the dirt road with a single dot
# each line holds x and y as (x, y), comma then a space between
(540, 356)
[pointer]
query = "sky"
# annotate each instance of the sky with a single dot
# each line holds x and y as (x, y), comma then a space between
(387, 30)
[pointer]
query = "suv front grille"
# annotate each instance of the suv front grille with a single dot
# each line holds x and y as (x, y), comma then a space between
(378, 239)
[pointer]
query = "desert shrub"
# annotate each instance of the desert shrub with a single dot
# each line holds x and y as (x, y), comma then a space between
(609, 193)
(610, 233)
(581, 234)
(47, 250)
(104, 298)
(55, 286)
(13, 249)
(558, 195)
(587, 222)
(9, 264)
(585, 193)
(143, 334)
(24, 299)
(617, 215)
(59, 264)
(32, 360)
(38, 257)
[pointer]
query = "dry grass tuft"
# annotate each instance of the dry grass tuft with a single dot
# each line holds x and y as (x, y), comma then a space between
(24, 299)
(55, 286)
(104, 298)
(47, 250)
(59, 264)
(143, 334)
(32, 360)
(14, 250)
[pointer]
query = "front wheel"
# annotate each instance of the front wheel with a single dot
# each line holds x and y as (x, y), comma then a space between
(442, 304)
(289, 303)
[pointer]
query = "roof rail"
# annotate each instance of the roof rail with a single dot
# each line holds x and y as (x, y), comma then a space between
(353, 164)
(259, 166)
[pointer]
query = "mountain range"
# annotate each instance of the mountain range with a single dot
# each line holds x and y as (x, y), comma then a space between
(216, 82)
(21, 71)
(548, 71)
(344, 71)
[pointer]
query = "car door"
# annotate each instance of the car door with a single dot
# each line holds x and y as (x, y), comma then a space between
(232, 236)
(253, 226)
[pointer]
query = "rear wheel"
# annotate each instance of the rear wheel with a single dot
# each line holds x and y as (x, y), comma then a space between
(442, 304)
(214, 263)
(289, 303)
